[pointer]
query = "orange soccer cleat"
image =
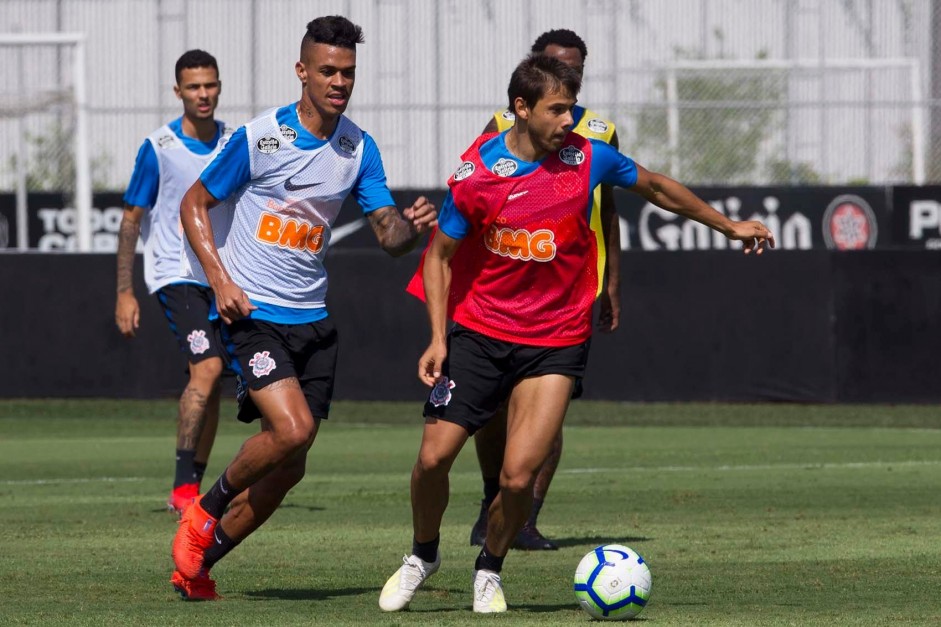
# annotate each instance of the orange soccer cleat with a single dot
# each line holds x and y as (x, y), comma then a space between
(193, 537)
(202, 588)
(182, 497)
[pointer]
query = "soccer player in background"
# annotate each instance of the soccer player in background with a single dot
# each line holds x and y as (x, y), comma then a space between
(168, 162)
(490, 441)
(279, 185)
(515, 266)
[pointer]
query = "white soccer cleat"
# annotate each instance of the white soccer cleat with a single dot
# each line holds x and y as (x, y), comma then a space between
(401, 587)
(488, 593)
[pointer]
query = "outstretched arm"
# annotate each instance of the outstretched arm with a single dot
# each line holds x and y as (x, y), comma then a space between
(127, 309)
(398, 233)
(674, 196)
(231, 301)
(609, 316)
(436, 276)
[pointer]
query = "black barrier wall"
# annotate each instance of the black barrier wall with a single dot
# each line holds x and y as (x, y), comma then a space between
(802, 218)
(810, 326)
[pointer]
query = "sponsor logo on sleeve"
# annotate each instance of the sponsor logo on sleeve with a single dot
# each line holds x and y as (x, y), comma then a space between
(504, 167)
(463, 171)
(288, 133)
(509, 115)
(597, 125)
(199, 343)
(268, 145)
(441, 393)
(571, 155)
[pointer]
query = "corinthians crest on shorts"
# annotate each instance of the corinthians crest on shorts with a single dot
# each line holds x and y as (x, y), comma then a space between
(199, 343)
(441, 393)
(262, 363)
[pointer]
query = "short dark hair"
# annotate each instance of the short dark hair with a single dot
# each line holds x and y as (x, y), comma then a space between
(333, 30)
(560, 37)
(195, 58)
(538, 75)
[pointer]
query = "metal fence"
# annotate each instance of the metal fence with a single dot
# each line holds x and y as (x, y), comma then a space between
(711, 91)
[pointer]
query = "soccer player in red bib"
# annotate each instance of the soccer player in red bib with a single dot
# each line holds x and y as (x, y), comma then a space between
(513, 264)
(490, 441)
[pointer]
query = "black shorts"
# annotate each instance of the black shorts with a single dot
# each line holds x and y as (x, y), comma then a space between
(480, 372)
(186, 306)
(264, 352)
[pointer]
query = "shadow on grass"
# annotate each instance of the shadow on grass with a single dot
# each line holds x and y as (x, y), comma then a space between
(593, 541)
(536, 608)
(305, 594)
(309, 508)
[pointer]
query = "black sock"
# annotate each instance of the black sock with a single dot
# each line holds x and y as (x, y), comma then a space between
(218, 497)
(427, 551)
(534, 514)
(221, 546)
(486, 561)
(199, 469)
(491, 489)
(184, 467)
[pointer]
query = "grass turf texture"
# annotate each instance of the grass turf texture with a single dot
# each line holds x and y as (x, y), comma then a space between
(747, 515)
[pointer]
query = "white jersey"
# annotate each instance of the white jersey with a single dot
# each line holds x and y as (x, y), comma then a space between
(161, 231)
(273, 232)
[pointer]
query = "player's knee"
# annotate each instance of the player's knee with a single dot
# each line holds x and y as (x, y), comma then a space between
(431, 462)
(207, 372)
(295, 438)
(517, 481)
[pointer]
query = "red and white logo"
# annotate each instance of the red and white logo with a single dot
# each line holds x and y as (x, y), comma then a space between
(849, 224)
(262, 364)
(199, 344)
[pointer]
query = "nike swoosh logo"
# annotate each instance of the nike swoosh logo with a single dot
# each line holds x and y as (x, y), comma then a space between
(224, 491)
(216, 536)
(294, 187)
(517, 194)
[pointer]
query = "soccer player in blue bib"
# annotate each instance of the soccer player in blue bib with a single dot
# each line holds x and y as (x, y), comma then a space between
(169, 161)
(274, 193)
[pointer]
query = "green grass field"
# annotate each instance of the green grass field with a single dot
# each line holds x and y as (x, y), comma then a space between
(746, 514)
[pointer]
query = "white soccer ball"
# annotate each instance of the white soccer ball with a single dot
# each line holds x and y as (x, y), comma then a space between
(612, 583)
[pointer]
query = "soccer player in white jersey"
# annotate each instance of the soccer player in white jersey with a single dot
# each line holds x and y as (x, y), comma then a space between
(168, 162)
(274, 193)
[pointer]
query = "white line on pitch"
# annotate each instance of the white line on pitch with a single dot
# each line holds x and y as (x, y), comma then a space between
(88, 480)
(802, 466)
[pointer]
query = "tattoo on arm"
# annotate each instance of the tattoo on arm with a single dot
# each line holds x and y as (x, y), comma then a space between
(127, 242)
(395, 234)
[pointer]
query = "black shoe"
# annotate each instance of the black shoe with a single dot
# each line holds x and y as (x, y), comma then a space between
(479, 530)
(529, 539)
